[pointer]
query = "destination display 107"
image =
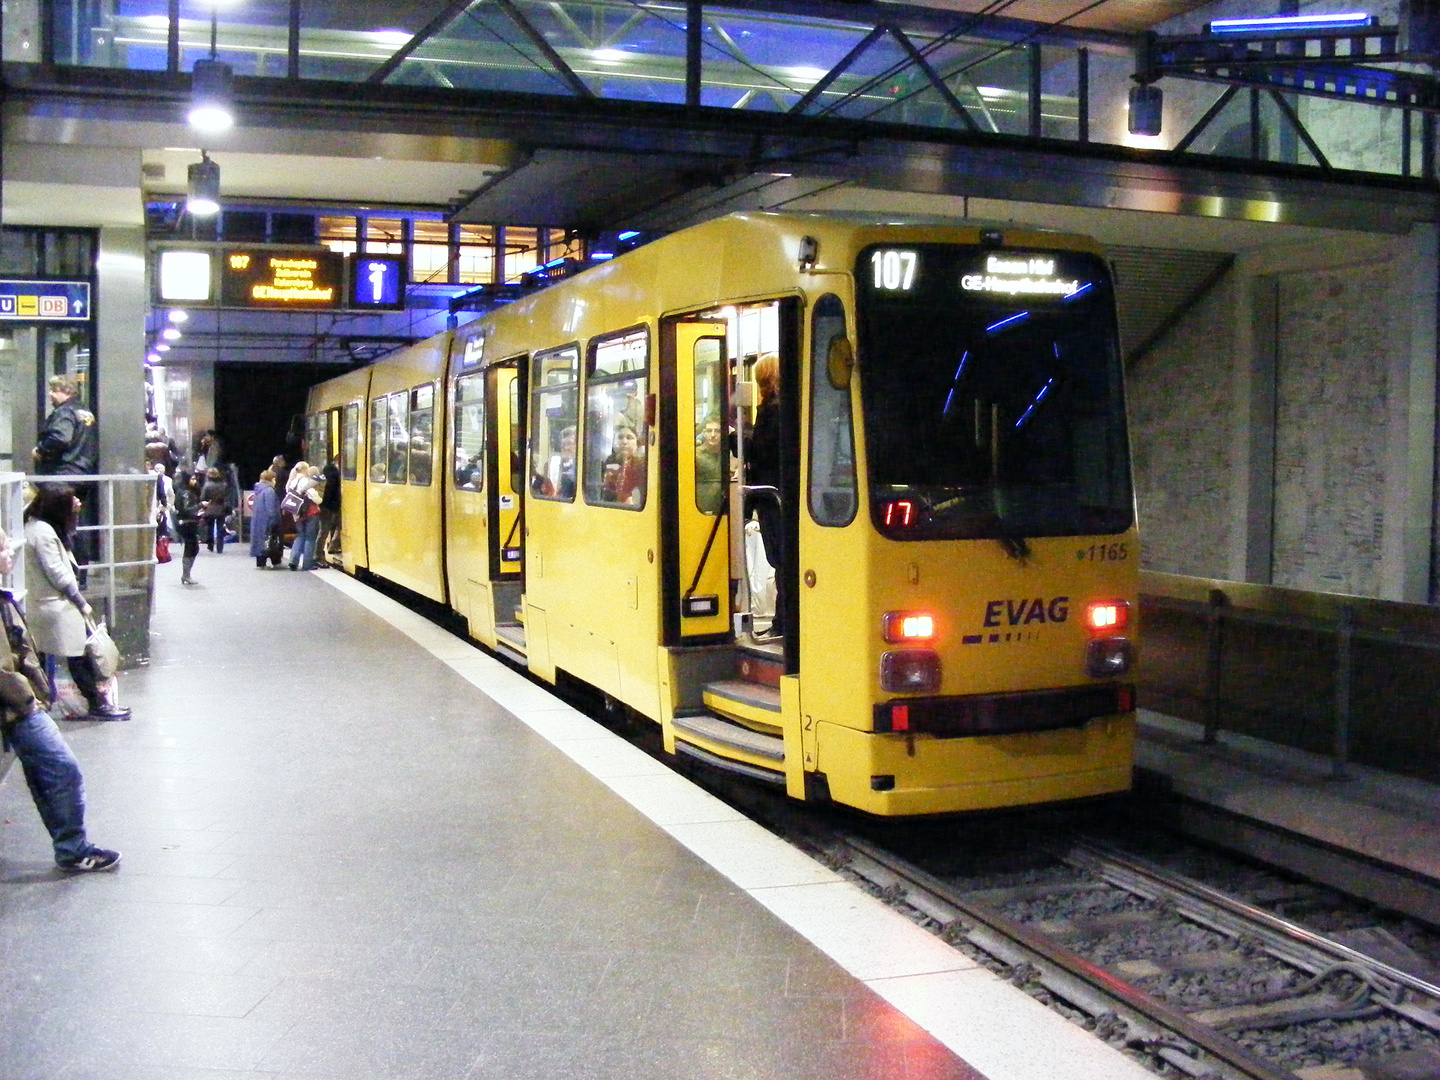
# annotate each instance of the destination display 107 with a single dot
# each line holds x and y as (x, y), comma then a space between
(279, 278)
(1007, 273)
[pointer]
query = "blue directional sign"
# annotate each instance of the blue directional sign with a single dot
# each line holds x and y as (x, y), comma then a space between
(44, 301)
(377, 281)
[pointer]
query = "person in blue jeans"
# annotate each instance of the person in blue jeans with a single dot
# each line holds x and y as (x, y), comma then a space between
(50, 768)
(304, 483)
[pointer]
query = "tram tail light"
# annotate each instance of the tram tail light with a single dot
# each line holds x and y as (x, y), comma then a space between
(902, 626)
(910, 671)
(1107, 616)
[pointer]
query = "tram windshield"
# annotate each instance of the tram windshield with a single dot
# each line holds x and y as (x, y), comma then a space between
(991, 383)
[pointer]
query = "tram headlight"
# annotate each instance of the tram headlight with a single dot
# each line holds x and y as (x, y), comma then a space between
(1109, 657)
(910, 671)
(902, 626)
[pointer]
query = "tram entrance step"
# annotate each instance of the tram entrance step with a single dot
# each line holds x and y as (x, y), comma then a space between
(759, 667)
(512, 635)
(752, 703)
(725, 735)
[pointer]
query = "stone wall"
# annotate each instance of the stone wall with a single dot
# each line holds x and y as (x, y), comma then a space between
(1183, 431)
(1332, 409)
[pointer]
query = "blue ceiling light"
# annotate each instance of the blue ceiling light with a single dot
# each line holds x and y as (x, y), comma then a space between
(1352, 20)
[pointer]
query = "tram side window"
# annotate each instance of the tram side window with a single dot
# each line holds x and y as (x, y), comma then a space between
(554, 413)
(349, 440)
(712, 465)
(833, 496)
(470, 432)
(422, 431)
(399, 435)
(378, 451)
(616, 438)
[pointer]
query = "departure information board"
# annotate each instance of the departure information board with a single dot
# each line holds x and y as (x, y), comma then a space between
(300, 278)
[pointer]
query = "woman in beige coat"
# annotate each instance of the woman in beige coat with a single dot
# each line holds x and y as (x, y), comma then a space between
(58, 613)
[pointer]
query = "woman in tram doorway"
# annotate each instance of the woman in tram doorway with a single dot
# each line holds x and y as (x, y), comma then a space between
(762, 468)
(59, 614)
(303, 483)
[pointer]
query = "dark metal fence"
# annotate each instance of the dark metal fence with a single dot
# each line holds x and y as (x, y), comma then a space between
(1352, 678)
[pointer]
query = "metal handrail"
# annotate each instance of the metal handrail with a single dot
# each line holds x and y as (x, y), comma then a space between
(108, 526)
(1347, 617)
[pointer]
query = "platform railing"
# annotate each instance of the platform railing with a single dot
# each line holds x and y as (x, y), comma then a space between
(115, 548)
(1349, 677)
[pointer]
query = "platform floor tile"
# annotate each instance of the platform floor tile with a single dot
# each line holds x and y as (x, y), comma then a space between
(344, 860)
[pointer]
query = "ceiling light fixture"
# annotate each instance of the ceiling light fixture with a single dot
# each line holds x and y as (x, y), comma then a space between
(204, 187)
(212, 96)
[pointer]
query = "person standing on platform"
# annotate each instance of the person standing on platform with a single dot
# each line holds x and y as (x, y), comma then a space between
(69, 443)
(58, 609)
(187, 521)
(264, 514)
(215, 496)
(329, 512)
(50, 769)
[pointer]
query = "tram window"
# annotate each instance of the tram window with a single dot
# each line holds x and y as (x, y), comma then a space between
(554, 416)
(422, 430)
(349, 440)
(616, 436)
(378, 442)
(470, 432)
(711, 456)
(833, 495)
(399, 436)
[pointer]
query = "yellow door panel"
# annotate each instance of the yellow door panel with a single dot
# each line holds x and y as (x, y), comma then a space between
(702, 465)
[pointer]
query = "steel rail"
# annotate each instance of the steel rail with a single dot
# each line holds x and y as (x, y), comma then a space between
(1162, 1030)
(1295, 944)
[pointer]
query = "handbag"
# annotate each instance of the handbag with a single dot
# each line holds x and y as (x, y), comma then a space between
(101, 650)
(162, 548)
(292, 502)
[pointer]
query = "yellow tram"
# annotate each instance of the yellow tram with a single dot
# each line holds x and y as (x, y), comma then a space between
(947, 493)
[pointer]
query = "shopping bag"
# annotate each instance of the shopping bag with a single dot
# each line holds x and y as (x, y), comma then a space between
(102, 650)
(162, 548)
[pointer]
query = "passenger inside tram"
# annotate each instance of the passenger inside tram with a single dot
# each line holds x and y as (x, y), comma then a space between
(559, 481)
(710, 472)
(624, 473)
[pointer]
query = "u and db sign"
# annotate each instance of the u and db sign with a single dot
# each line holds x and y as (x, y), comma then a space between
(44, 301)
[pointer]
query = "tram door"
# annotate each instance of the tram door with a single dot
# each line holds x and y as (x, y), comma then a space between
(505, 466)
(703, 466)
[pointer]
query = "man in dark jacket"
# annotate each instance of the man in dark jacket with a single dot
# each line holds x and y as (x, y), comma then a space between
(69, 442)
(329, 512)
(49, 766)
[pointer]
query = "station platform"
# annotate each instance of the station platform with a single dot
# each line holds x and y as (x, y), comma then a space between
(357, 847)
(1368, 832)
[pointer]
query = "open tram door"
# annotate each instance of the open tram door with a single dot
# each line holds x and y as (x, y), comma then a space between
(728, 702)
(505, 486)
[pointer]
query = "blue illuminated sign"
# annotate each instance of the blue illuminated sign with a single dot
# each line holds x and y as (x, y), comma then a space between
(44, 301)
(377, 281)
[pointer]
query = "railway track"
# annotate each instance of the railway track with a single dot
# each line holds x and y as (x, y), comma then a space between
(1198, 982)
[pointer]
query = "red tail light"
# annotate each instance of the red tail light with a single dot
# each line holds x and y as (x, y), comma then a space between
(1107, 616)
(902, 626)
